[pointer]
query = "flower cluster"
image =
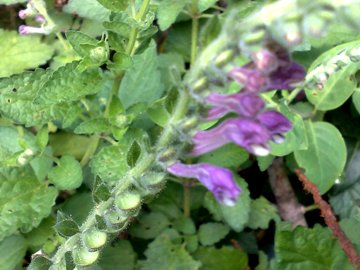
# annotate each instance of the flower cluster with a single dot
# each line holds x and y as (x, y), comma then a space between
(253, 127)
(32, 11)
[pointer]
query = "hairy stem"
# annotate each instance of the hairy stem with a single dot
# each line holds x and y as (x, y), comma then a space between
(330, 219)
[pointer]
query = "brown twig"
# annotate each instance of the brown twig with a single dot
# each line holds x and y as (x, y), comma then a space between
(330, 219)
(289, 207)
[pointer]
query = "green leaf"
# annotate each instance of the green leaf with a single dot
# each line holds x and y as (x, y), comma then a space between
(77, 38)
(262, 212)
(12, 252)
(24, 200)
(168, 10)
(120, 253)
(16, 100)
(78, 206)
(295, 139)
(142, 82)
(115, 5)
(69, 84)
(229, 155)
(37, 237)
(263, 262)
(65, 226)
(235, 216)
(325, 158)
(149, 225)
(110, 163)
(21, 52)
(339, 87)
(211, 233)
(69, 144)
(306, 248)
(351, 228)
(10, 2)
(93, 126)
(185, 225)
(39, 263)
(162, 254)
(356, 100)
(225, 258)
(264, 162)
(90, 9)
(67, 174)
(345, 198)
(205, 4)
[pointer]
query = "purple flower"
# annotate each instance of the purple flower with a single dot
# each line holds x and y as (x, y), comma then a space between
(285, 77)
(25, 30)
(244, 104)
(244, 132)
(40, 19)
(276, 124)
(265, 60)
(253, 80)
(217, 180)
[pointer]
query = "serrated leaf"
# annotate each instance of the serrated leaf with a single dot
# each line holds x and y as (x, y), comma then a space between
(229, 155)
(142, 82)
(149, 225)
(90, 9)
(24, 200)
(168, 10)
(225, 258)
(261, 213)
(185, 225)
(67, 174)
(93, 126)
(16, 100)
(325, 158)
(78, 206)
(235, 216)
(121, 254)
(211, 233)
(12, 252)
(19, 53)
(100, 191)
(110, 163)
(162, 254)
(339, 87)
(68, 84)
(65, 226)
(305, 248)
(37, 237)
(115, 5)
(77, 38)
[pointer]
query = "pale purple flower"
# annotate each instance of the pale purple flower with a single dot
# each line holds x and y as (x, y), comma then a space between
(265, 60)
(39, 19)
(276, 124)
(219, 181)
(25, 30)
(253, 80)
(244, 132)
(244, 104)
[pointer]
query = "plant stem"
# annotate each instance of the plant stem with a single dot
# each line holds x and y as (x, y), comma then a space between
(186, 204)
(194, 30)
(293, 94)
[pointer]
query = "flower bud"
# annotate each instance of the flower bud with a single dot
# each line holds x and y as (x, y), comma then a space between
(128, 201)
(83, 257)
(200, 85)
(99, 54)
(314, 25)
(254, 37)
(94, 239)
(115, 218)
(224, 58)
(167, 155)
(153, 180)
(189, 124)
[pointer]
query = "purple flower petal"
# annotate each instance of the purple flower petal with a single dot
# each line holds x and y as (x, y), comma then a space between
(246, 133)
(253, 80)
(286, 77)
(25, 30)
(276, 124)
(219, 181)
(244, 104)
(265, 60)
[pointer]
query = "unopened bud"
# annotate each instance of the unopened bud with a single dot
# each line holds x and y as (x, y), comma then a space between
(83, 257)
(224, 58)
(153, 180)
(113, 217)
(189, 124)
(314, 25)
(99, 54)
(200, 85)
(167, 155)
(94, 239)
(254, 37)
(128, 201)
